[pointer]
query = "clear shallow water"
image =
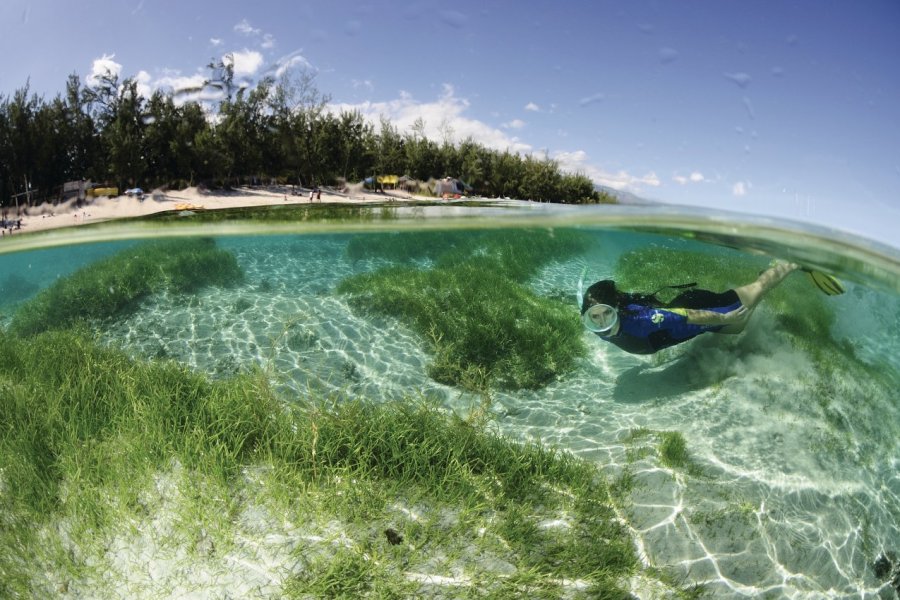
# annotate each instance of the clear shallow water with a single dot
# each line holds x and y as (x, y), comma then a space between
(796, 491)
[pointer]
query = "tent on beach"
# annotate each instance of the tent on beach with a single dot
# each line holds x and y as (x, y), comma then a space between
(450, 187)
(408, 184)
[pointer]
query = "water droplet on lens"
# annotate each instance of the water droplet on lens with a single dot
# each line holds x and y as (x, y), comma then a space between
(668, 55)
(741, 79)
(749, 106)
(352, 27)
(454, 18)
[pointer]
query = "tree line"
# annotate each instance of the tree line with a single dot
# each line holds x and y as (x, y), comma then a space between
(277, 130)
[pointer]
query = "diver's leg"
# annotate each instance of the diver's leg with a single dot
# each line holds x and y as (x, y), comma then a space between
(752, 293)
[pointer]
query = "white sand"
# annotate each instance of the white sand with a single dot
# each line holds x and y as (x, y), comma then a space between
(107, 209)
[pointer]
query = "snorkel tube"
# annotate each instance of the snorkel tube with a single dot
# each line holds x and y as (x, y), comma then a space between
(580, 298)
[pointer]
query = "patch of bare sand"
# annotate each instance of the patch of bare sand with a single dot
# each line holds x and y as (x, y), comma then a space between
(66, 214)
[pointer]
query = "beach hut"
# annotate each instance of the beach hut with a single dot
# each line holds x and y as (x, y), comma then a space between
(408, 184)
(388, 181)
(450, 187)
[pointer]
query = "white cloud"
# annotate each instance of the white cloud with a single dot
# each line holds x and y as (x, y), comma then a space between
(531, 106)
(599, 97)
(285, 63)
(144, 84)
(185, 88)
(365, 84)
(103, 66)
(740, 188)
(514, 124)
(695, 177)
(577, 162)
(179, 83)
(246, 62)
(215, 42)
(244, 28)
(445, 116)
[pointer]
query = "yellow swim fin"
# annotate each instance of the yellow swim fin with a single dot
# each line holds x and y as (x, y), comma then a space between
(825, 282)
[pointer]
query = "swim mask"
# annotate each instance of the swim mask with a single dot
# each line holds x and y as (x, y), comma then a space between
(600, 318)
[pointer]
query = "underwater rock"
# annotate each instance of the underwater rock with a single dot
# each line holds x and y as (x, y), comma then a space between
(887, 568)
(393, 537)
(302, 340)
(242, 304)
(350, 372)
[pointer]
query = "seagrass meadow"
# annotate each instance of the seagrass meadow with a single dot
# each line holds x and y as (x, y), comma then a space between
(404, 408)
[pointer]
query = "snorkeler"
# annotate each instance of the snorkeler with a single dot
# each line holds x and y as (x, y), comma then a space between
(642, 324)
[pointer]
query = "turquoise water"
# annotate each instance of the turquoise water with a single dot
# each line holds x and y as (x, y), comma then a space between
(794, 488)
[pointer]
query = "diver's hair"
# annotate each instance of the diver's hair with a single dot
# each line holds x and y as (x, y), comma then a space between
(606, 292)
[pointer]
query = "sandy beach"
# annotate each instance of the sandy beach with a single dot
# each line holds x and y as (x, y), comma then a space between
(97, 210)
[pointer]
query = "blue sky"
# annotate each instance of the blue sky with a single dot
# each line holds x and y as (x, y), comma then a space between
(781, 108)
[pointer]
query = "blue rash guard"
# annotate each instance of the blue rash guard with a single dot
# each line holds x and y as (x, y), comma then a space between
(645, 329)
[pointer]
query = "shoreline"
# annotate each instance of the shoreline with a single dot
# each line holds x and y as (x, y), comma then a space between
(102, 209)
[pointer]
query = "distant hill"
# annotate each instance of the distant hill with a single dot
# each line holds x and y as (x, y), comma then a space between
(622, 196)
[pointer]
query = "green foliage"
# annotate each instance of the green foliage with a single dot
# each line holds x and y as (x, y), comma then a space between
(116, 285)
(670, 449)
(329, 214)
(406, 247)
(483, 324)
(673, 451)
(85, 428)
(348, 574)
(278, 130)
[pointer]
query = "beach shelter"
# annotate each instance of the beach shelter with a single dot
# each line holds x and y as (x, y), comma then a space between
(451, 187)
(388, 181)
(408, 184)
